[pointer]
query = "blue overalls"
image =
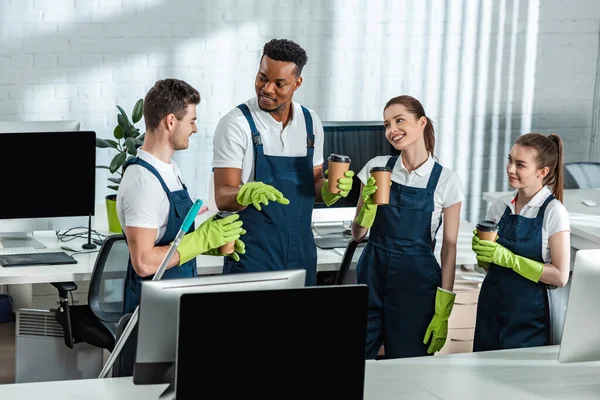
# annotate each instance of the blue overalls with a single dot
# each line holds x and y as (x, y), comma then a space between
(280, 236)
(179, 205)
(401, 271)
(512, 311)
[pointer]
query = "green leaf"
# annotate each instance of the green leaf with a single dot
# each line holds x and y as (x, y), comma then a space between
(101, 143)
(118, 132)
(138, 142)
(135, 132)
(124, 124)
(102, 167)
(124, 114)
(130, 144)
(138, 111)
(117, 162)
(113, 187)
(141, 137)
(115, 180)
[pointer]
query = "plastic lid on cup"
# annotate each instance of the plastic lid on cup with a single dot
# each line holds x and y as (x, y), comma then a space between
(224, 214)
(338, 158)
(381, 169)
(487, 226)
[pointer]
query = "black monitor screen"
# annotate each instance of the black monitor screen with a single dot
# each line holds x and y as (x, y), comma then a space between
(47, 174)
(294, 343)
(361, 142)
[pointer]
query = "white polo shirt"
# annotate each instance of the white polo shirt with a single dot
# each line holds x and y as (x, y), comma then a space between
(233, 146)
(141, 199)
(447, 192)
(556, 217)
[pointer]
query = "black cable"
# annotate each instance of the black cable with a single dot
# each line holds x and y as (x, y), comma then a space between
(78, 232)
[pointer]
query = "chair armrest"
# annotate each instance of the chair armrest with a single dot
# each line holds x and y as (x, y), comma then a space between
(64, 286)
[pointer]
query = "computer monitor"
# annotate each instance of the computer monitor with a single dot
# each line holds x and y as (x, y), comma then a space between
(159, 310)
(581, 332)
(361, 141)
(273, 344)
(38, 126)
(49, 180)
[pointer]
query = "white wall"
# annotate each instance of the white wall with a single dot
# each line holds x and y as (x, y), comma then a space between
(485, 71)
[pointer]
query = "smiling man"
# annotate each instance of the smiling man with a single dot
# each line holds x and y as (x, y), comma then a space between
(268, 165)
(152, 201)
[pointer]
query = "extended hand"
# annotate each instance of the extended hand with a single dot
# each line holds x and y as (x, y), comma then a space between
(344, 184)
(211, 234)
(438, 327)
(257, 193)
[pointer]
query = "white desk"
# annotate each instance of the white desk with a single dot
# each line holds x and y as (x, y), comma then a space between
(327, 260)
(508, 374)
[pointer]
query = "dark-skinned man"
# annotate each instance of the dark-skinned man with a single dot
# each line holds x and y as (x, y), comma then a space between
(268, 166)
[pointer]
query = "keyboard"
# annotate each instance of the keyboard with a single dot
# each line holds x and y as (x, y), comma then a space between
(17, 250)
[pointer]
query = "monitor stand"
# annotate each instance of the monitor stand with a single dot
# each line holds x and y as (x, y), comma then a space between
(20, 239)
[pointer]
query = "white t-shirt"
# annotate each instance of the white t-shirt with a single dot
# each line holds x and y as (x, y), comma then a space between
(141, 199)
(447, 192)
(233, 146)
(556, 217)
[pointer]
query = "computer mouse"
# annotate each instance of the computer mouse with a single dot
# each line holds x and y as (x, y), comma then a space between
(589, 203)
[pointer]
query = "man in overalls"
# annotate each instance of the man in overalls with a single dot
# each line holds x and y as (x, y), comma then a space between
(268, 165)
(153, 201)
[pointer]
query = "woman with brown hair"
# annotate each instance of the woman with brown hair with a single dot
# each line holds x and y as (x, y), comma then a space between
(532, 249)
(410, 297)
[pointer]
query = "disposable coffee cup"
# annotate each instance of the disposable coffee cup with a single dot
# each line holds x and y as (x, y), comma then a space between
(383, 177)
(338, 164)
(487, 230)
(227, 248)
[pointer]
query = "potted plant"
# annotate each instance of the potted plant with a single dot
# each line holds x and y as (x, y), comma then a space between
(127, 140)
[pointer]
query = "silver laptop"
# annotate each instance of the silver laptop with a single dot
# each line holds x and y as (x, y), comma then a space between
(581, 333)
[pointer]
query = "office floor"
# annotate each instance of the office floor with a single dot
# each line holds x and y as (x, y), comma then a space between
(7, 353)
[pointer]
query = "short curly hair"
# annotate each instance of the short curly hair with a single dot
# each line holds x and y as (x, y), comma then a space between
(168, 96)
(286, 50)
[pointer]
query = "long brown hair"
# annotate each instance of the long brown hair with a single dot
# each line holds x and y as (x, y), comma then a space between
(415, 107)
(549, 153)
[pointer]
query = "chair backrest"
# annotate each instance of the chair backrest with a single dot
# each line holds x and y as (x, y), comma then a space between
(582, 175)
(106, 290)
(344, 275)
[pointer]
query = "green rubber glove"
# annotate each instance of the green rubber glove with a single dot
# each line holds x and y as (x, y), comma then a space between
(239, 248)
(367, 213)
(211, 234)
(256, 193)
(438, 327)
(475, 242)
(344, 184)
(492, 252)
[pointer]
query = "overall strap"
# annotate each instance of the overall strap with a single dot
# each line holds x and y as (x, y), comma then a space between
(392, 162)
(542, 209)
(142, 163)
(310, 136)
(434, 177)
(256, 139)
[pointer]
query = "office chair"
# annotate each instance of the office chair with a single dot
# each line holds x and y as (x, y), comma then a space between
(582, 175)
(99, 321)
(344, 275)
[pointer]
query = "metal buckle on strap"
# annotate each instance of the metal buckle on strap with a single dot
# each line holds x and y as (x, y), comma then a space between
(310, 143)
(257, 140)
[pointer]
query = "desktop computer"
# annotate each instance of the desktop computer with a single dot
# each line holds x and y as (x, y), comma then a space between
(50, 183)
(581, 331)
(306, 343)
(158, 315)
